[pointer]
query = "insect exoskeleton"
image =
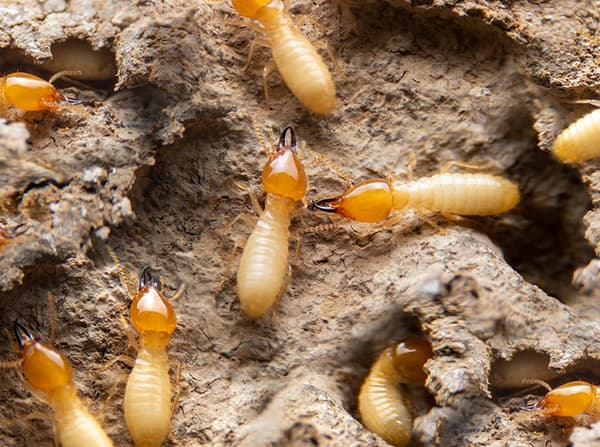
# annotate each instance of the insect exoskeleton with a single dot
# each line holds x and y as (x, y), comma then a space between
(147, 403)
(580, 141)
(382, 403)
(571, 399)
(264, 262)
(50, 373)
(455, 194)
(29, 93)
(297, 60)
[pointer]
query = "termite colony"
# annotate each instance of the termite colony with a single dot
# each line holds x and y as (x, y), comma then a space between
(263, 271)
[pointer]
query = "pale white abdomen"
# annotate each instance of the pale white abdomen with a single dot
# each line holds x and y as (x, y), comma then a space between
(580, 141)
(382, 407)
(76, 427)
(300, 66)
(264, 262)
(462, 194)
(148, 398)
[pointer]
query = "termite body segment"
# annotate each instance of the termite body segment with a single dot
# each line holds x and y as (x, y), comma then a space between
(264, 262)
(382, 404)
(148, 392)
(580, 141)
(571, 399)
(29, 93)
(50, 373)
(297, 60)
(456, 194)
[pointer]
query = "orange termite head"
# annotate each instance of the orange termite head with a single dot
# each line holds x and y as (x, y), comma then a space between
(410, 356)
(283, 173)
(44, 367)
(249, 8)
(150, 310)
(30, 93)
(570, 399)
(369, 201)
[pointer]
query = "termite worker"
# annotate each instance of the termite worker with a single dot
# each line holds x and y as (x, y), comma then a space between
(449, 194)
(570, 399)
(297, 60)
(264, 263)
(382, 404)
(148, 407)
(580, 141)
(50, 374)
(30, 93)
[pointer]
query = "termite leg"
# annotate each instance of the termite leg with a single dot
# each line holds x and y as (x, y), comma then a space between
(247, 23)
(129, 333)
(120, 379)
(296, 258)
(324, 46)
(455, 218)
(177, 387)
(238, 244)
(178, 293)
(488, 165)
(250, 220)
(426, 219)
(307, 17)
(269, 68)
(593, 102)
(412, 163)
(259, 41)
(127, 359)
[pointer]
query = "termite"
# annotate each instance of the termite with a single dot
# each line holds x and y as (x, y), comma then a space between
(296, 59)
(31, 93)
(570, 399)
(382, 403)
(51, 376)
(264, 262)
(449, 194)
(148, 407)
(580, 141)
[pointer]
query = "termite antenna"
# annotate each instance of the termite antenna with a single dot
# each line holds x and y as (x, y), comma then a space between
(146, 278)
(74, 102)
(22, 334)
(282, 144)
(323, 205)
(64, 74)
(537, 382)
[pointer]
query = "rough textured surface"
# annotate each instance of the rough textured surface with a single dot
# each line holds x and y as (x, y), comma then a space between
(151, 169)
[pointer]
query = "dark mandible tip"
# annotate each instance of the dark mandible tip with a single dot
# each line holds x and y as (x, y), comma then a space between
(73, 101)
(292, 145)
(22, 334)
(323, 205)
(146, 278)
